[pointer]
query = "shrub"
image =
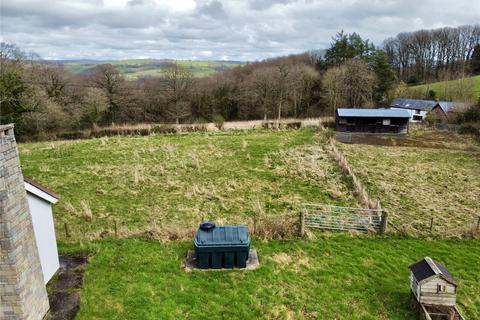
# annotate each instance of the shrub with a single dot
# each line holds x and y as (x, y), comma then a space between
(470, 128)
(218, 120)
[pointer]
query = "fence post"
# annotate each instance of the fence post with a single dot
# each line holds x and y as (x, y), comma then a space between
(431, 224)
(478, 224)
(115, 228)
(302, 222)
(67, 232)
(383, 225)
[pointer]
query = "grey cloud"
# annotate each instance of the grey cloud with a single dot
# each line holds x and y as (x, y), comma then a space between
(265, 4)
(235, 30)
(213, 9)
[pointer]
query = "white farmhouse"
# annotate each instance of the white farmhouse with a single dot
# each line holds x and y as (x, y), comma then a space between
(40, 201)
(418, 109)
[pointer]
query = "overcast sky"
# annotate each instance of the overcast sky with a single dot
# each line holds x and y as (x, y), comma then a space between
(212, 29)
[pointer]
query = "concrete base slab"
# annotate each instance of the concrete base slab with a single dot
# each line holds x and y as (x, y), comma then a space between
(190, 262)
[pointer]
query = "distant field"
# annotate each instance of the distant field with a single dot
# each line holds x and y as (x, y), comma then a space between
(172, 181)
(138, 68)
(454, 89)
(336, 277)
(416, 184)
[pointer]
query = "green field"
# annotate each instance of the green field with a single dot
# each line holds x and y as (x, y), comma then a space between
(337, 277)
(158, 188)
(452, 90)
(146, 68)
(416, 184)
(165, 182)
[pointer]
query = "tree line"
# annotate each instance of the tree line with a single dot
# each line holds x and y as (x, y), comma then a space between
(435, 55)
(42, 98)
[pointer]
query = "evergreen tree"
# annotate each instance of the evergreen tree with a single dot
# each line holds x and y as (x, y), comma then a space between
(385, 76)
(348, 46)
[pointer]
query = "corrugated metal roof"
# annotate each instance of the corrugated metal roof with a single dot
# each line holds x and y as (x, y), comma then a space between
(428, 267)
(373, 113)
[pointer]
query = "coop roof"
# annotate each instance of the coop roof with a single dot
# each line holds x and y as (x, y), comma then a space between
(427, 267)
(372, 113)
(35, 188)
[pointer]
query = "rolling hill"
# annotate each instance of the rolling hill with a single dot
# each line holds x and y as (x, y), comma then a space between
(150, 68)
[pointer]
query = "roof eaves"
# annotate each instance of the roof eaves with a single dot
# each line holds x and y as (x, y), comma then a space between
(40, 191)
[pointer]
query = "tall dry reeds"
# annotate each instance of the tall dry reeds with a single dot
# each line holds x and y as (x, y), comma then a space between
(359, 190)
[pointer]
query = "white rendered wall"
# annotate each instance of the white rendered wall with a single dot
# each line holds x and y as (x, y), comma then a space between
(44, 230)
(412, 113)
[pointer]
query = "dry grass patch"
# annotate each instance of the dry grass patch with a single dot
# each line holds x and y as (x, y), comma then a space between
(418, 184)
(179, 180)
(313, 164)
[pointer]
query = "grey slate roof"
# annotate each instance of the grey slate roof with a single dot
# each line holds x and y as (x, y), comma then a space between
(428, 267)
(373, 113)
(425, 105)
(450, 106)
(414, 104)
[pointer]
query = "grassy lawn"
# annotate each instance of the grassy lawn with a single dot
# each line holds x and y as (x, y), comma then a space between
(161, 183)
(173, 181)
(416, 184)
(335, 277)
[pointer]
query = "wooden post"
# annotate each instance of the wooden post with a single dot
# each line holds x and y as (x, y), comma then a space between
(431, 224)
(67, 232)
(115, 228)
(302, 222)
(383, 224)
(255, 224)
(478, 224)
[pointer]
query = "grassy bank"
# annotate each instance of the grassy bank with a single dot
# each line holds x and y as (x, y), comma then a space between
(168, 182)
(452, 90)
(338, 277)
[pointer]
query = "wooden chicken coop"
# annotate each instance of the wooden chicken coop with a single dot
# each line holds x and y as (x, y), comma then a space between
(434, 291)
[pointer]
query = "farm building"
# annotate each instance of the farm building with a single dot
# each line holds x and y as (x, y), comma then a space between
(432, 283)
(40, 201)
(443, 110)
(372, 120)
(418, 109)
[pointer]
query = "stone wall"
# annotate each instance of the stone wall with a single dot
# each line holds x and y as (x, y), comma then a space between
(22, 292)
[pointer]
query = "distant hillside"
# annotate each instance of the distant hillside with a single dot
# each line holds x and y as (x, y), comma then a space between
(452, 90)
(150, 68)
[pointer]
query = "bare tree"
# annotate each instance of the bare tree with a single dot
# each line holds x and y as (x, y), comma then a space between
(176, 82)
(350, 85)
(432, 55)
(107, 78)
(300, 83)
(333, 88)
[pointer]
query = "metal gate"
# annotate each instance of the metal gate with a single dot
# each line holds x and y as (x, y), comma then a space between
(343, 218)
